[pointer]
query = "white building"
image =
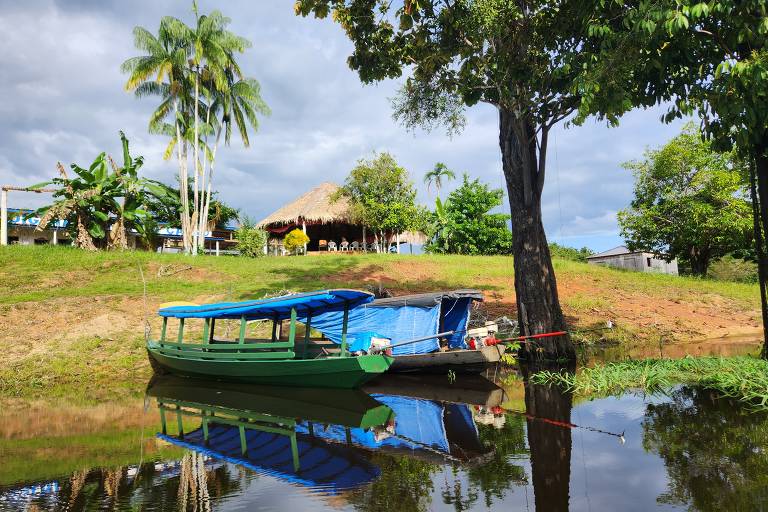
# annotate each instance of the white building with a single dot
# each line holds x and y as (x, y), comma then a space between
(621, 257)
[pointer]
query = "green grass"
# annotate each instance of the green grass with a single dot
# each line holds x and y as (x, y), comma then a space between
(49, 278)
(744, 378)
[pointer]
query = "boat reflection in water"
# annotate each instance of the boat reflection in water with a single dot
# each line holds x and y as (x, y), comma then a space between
(319, 439)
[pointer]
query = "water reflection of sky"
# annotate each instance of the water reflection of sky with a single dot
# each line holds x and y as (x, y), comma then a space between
(605, 474)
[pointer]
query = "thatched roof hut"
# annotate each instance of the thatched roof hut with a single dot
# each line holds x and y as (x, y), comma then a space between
(312, 208)
(323, 220)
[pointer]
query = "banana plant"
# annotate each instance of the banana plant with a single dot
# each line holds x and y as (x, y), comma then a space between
(100, 205)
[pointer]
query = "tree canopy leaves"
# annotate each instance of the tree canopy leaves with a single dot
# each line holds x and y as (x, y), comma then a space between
(689, 202)
(463, 224)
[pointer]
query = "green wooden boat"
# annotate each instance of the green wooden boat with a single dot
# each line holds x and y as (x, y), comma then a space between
(271, 361)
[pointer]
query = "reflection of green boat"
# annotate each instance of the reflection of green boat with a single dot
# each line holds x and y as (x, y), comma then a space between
(266, 361)
(348, 407)
(270, 429)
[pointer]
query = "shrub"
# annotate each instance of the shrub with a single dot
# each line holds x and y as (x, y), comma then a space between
(570, 253)
(250, 239)
(295, 240)
(729, 268)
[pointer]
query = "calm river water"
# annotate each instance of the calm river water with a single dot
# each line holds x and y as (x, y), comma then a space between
(403, 444)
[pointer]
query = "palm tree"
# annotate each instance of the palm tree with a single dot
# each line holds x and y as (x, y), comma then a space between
(203, 76)
(165, 58)
(436, 176)
(238, 104)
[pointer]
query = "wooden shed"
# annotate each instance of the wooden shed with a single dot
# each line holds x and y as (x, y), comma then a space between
(640, 261)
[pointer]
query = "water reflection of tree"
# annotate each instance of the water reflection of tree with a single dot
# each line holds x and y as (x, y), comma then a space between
(493, 478)
(111, 489)
(405, 485)
(716, 453)
(549, 442)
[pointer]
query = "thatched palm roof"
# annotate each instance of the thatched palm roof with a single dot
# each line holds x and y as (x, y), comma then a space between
(314, 206)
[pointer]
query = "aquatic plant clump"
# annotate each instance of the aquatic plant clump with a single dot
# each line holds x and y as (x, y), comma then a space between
(743, 378)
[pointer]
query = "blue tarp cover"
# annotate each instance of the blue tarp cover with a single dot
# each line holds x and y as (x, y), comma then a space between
(400, 319)
(399, 323)
(278, 307)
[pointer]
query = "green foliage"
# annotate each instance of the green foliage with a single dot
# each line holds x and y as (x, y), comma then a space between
(381, 194)
(647, 57)
(743, 378)
(689, 203)
(167, 210)
(519, 57)
(730, 268)
(435, 176)
(251, 240)
(570, 253)
(295, 240)
(462, 225)
(100, 206)
(710, 451)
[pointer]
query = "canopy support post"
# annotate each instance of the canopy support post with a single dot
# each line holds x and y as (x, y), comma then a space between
(206, 329)
(210, 333)
(163, 424)
(163, 330)
(243, 324)
(344, 325)
(181, 331)
(243, 445)
(292, 329)
(274, 329)
(295, 452)
(179, 422)
(308, 328)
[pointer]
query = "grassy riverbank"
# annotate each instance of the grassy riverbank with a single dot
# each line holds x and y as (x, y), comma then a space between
(743, 378)
(72, 320)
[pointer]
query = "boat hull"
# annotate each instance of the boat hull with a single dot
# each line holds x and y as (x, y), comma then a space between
(332, 372)
(458, 361)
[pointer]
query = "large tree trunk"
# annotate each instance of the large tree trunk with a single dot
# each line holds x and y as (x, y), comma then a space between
(549, 438)
(760, 212)
(699, 260)
(538, 306)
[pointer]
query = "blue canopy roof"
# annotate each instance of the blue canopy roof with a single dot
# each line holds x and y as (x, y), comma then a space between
(323, 466)
(277, 307)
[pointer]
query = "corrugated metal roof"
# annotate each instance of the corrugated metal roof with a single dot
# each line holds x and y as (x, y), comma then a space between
(616, 251)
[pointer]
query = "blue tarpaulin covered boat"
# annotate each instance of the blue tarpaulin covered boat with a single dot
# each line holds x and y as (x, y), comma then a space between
(404, 318)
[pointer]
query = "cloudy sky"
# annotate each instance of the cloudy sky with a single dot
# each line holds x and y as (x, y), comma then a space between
(64, 100)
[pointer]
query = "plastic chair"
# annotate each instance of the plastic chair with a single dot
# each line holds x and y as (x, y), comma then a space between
(332, 246)
(354, 246)
(344, 245)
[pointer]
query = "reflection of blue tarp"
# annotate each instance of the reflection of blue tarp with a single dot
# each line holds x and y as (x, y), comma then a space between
(321, 465)
(399, 322)
(418, 425)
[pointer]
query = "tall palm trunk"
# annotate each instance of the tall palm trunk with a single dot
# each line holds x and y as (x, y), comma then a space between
(210, 175)
(196, 158)
(183, 179)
